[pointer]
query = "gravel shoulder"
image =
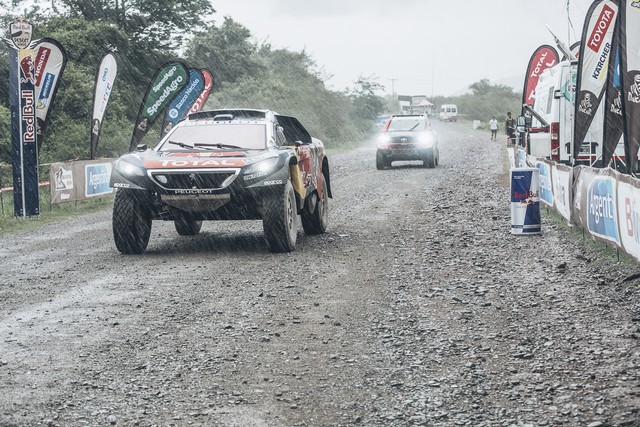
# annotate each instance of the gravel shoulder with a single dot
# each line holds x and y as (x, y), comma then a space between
(417, 307)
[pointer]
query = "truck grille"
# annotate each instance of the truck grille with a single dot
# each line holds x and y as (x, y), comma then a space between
(207, 179)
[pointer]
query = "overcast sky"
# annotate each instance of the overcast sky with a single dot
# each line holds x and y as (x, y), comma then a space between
(428, 47)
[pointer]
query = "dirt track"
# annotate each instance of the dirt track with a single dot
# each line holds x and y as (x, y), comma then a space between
(416, 308)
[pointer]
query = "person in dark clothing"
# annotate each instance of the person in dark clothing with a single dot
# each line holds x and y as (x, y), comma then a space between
(510, 129)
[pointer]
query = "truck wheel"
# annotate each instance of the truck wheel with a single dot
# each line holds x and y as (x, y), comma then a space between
(381, 162)
(279, 220)
(430, 160)
(316, 222)
(186, 227)
(131, 223)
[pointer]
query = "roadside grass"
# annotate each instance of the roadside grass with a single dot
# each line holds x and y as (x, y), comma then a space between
(48, 213)
(606, 255)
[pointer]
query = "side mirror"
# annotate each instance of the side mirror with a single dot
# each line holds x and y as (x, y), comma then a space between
(141, 147)
(298, 143)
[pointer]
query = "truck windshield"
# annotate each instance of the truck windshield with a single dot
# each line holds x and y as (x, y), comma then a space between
(406, 125)
(209, 135)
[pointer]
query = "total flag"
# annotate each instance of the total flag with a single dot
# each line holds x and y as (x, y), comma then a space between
(181, 104)
(544, 57)
(49, 61)
(168, 81)
(204, 93)
(105, 79)
(630, 77)
(595, 52)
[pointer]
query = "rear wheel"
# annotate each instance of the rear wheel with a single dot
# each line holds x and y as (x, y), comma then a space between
(316, 221)
(131, 222)
(186, 227)
(279, 219)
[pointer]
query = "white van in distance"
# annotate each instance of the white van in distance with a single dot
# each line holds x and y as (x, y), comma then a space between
(448, 113)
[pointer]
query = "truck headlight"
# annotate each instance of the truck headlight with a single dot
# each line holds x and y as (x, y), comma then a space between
(426, 139)
(128, 169)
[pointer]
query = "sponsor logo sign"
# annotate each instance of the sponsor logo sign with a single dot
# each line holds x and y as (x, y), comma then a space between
(45, 91)
(21, 32)
(42, 57)
(602, 24)
(629, 213)
(546, 186)
(97, 178)
(63, 179)
(602, 218)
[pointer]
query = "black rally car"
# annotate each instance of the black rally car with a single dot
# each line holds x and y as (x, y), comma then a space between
(227, 164)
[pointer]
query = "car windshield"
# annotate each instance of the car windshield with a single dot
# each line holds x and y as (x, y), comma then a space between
(409, 124)
(216, 135)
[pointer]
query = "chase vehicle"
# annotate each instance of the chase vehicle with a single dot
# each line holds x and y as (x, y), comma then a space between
(231, 164)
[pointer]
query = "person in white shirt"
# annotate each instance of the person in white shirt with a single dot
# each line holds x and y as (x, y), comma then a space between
(493, 126)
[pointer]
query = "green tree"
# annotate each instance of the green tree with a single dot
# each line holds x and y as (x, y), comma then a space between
(226, 50)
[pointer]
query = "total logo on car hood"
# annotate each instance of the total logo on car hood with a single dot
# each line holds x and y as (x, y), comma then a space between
(204, 159)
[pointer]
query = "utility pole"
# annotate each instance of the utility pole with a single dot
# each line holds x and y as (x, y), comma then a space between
(393, 88)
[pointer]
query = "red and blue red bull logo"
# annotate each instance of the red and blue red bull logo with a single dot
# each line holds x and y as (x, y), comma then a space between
(525, 201)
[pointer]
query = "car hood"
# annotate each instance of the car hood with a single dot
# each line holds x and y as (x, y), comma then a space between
(151, 159)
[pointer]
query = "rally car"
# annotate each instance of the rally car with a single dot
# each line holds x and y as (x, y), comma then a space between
(230, 164)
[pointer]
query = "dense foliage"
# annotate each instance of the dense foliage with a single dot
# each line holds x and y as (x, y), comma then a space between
(145, 34)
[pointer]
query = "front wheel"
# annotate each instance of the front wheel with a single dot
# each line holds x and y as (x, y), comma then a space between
(430, 160)
(316, 222)
(131, 222)
(186, 227)
(279, 220)
(381, 161)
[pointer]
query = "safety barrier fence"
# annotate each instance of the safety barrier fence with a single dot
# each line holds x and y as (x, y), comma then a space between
(601, 201)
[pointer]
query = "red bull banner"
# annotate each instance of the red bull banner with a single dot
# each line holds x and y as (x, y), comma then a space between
(22, 103)
(595, 52)
(630, 77)
(166, 84)
(204, 93)
(49, 61)
(544, 57)
(181, 104)
(105, 79)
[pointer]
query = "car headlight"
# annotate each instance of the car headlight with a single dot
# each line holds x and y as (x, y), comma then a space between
(384, 138)
(128, 169)
(426, 139)
(262, 168)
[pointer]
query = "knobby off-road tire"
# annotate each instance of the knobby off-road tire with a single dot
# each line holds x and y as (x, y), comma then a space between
(186, 227)
(131, 222)
(316, 222)
(279, 220)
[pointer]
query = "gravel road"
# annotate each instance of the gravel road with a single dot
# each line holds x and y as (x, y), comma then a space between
(417, 307)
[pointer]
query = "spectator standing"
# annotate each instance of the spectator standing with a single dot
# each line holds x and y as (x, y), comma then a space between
(493, 126)
(510, 129)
